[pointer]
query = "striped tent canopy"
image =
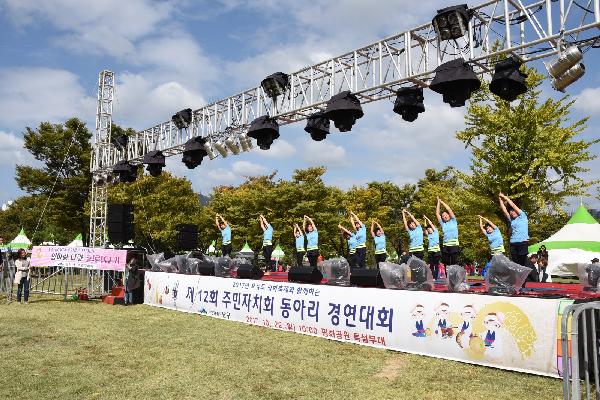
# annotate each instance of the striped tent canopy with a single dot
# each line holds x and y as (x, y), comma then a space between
(77, 242)
(578, 242)
(20, 242)
(246, 250)
(277, 253)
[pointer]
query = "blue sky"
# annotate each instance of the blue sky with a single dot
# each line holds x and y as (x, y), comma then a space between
(169, 55)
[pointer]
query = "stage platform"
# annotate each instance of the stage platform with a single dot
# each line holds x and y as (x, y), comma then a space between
(520, 333)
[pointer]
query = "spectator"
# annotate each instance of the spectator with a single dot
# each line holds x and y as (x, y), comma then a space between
(132, 279)
(22, 276)
(542, 252)
(532, 264)
(542, 276)
(595, 261)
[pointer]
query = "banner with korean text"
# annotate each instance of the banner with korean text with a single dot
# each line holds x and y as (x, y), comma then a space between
(79, 257)
(515, 333)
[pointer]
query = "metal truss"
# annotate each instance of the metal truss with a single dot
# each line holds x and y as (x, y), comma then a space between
(101, 157)
(374, 72)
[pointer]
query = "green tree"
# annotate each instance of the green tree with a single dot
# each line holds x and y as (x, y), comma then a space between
(63, 179)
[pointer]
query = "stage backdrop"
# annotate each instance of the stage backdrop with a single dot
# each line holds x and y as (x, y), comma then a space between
(505, 332)
(80, 257)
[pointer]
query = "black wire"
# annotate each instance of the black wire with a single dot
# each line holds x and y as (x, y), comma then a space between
(583, 8)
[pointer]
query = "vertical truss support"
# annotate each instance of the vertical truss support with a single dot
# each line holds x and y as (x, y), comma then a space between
(100, 155)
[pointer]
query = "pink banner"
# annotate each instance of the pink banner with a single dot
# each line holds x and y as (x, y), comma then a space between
(78, 257)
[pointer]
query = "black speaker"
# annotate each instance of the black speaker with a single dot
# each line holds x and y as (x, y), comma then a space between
(366, 278)
(206, 268)
(119, 218)
(187, 236)
(247, 271)
(305, 274)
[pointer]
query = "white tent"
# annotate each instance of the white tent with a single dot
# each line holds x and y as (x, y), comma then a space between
(20, 242)
(77, 242)
(578, 242)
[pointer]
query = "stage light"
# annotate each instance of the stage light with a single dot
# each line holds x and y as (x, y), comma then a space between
(409, 103)
(317, 125)
(245, 142)
(126, 171)
(220, 147)
(566, 69)
(210, 151)
(452, 22)
(344, 109)
(193, 152)
(276, 84)
(183, 118)
(232, 145)
(455, 80)
(155, 162)
(122, 141)
(265, 130)
(99, 179)
(508, 81)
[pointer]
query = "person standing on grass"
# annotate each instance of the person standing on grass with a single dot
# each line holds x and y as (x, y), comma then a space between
(312, 241)
(351, 238)
(132, 279)
(267, 242)
(492, 232)
(447, 219)
(225, 229)
(22, 276)
(380, 245)
(434, 254)
(415, 235)
(300, 251)
(361, 240)
(519, 229)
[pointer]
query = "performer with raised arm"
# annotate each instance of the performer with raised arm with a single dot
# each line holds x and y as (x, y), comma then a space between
(519, 229)
(379, 239)
(225, 229)
(450, 245)
(493, 234)
(351, 238)
(312, 241)
(300, 251)
(267, 241)
(433, 246)
(415, 235)
(361, 240)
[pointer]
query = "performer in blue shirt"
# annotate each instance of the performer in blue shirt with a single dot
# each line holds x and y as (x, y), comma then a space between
(267, 242)
(379, 239)
(519, 230)
(225, 229)
(312, 241)
(493, 234)
(415, 235)
(361, 240)
(351, 238)
(447, 219)
(300, 251)
(434, 253)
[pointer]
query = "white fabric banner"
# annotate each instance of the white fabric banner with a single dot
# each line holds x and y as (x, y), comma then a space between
(515, 333)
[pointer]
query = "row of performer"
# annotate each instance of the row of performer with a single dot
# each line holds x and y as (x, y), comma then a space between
(307, 236)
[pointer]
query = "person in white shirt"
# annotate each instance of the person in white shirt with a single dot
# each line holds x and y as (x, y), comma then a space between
(22, 276)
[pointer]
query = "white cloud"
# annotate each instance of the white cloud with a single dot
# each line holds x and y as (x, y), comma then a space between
(588, 101)
(324, 153)
(12, 151)
(247, 168)
(280, 149)
(31, 95)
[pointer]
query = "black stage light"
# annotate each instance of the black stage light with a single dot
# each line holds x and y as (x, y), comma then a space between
(265, 130)
(452, 22)
(409, 103)
(276, 84)
(122, 141)
(155, 162)
(183, 118)
(317, 125)
(344, 109)
(126, 171)
(508, 81)
(193, 152)
(455, 80)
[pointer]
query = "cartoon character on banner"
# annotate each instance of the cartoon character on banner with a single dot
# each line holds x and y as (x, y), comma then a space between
(174, 292)
(442, 314)
(492, 323)
(418, 314)
(465, 335)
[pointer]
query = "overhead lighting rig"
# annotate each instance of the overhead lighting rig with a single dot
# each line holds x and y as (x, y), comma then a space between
(566, 69)
(409, 103)
(275, 84)
(265, 130)
(455, 80)
(126, 171)
(155, 162)
(508, 81)
(317, 125)
(344, 109)
(452, 23)
(182, 119)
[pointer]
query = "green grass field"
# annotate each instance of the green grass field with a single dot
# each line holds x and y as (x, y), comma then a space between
(53, 349)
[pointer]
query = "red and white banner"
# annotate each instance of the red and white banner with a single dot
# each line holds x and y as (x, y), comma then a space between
(515, 333)
(79, 257)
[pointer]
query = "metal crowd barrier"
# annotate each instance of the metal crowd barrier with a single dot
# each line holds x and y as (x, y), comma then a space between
(580, 345)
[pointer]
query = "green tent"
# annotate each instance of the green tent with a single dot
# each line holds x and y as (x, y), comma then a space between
(20, 242)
